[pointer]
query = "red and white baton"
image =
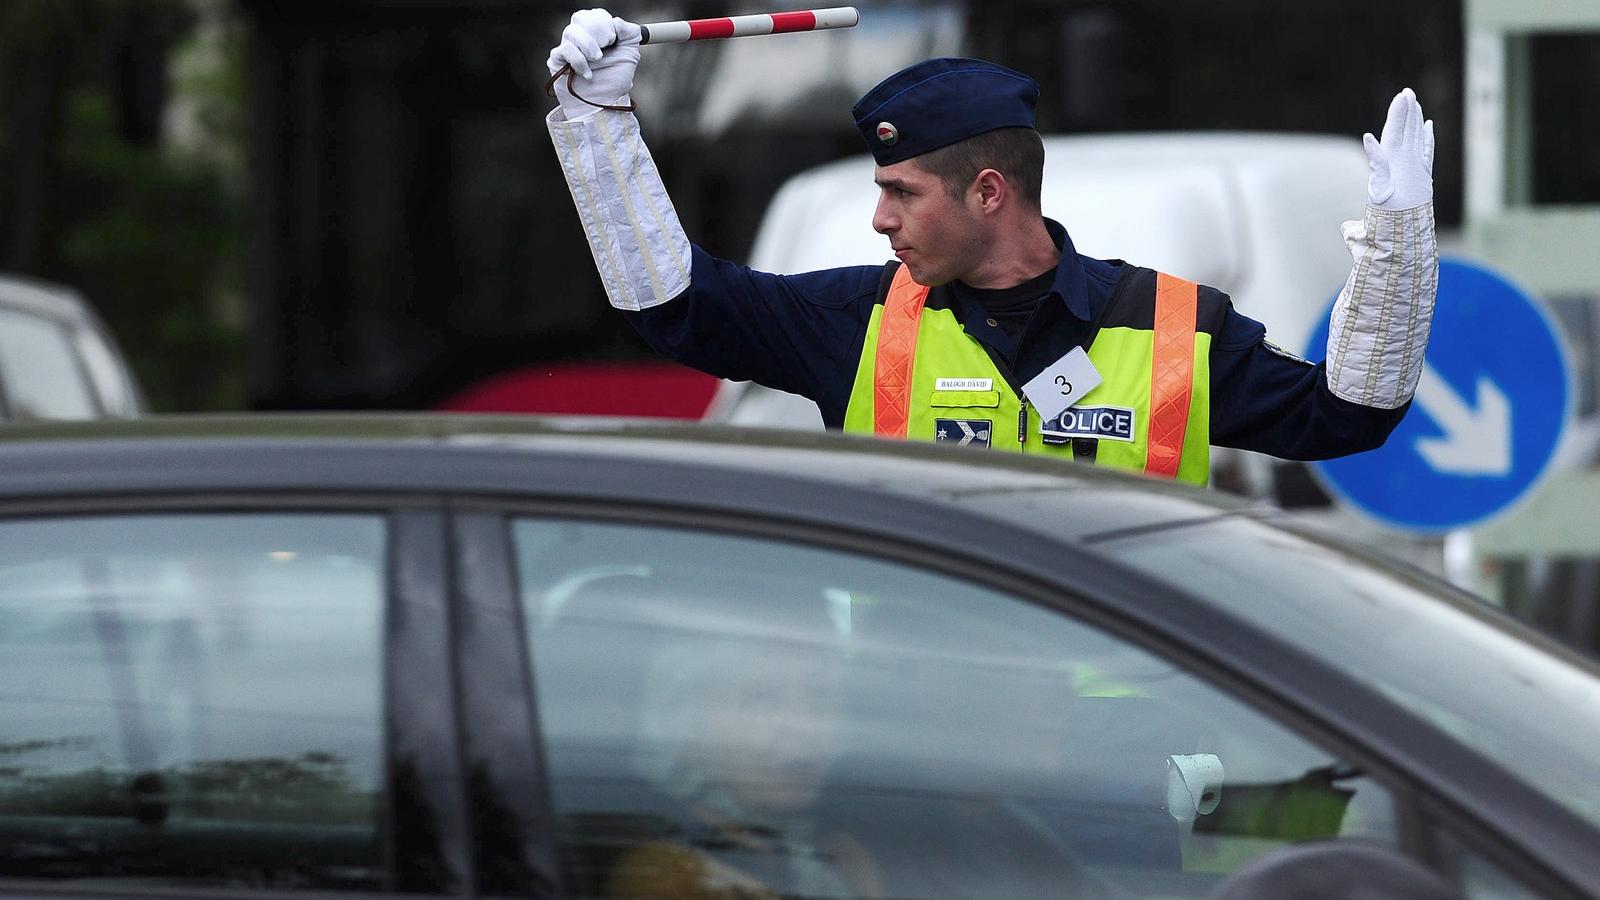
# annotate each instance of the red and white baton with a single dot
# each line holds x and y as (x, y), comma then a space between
(744, 26)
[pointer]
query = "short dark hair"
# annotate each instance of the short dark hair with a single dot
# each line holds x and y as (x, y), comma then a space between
(1016, 153)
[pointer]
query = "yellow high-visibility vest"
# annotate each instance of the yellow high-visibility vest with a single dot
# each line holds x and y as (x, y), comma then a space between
(1150, 413)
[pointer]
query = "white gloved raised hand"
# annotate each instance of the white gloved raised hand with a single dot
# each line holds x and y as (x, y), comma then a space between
(1402, 163)
(603, 51)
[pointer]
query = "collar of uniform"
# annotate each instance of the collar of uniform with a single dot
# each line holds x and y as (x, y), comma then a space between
(1071, 284)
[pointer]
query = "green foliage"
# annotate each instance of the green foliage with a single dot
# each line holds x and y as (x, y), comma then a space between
(155, 256)
(148, 232)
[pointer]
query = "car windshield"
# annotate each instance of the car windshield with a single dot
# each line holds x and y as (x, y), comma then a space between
(1533, 709)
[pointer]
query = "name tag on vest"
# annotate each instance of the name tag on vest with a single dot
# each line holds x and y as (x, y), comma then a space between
(964, 384)
(1106, 423)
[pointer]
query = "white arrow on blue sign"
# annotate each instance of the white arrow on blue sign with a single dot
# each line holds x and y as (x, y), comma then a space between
(1493, 402)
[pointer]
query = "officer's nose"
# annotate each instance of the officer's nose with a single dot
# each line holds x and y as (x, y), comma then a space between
(883, 221)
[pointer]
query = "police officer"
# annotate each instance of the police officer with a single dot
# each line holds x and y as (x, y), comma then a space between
(989, 327)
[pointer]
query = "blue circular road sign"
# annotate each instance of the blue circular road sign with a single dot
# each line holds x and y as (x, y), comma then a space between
(1495, 397)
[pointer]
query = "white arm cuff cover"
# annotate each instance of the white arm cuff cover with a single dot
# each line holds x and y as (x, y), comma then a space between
(638, 244)
(1381, 319)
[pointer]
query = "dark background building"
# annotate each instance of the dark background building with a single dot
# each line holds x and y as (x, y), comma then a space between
(392, 225)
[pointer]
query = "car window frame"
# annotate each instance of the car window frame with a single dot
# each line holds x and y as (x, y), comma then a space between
(501, 746)
(425, 822)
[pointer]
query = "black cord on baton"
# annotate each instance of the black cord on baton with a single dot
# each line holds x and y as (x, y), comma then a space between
(566, 69)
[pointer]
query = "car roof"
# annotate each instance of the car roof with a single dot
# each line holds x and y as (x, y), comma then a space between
(490, 454)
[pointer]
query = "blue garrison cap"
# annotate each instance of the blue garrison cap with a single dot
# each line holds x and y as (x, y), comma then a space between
(938, 102)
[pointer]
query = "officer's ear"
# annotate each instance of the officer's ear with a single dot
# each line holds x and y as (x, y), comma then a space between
(992, 191)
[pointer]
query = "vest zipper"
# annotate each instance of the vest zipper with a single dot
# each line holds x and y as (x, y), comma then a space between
(1022, 425)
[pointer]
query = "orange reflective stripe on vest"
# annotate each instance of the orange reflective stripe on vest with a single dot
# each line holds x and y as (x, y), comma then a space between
(1171, 373)
(897, 353)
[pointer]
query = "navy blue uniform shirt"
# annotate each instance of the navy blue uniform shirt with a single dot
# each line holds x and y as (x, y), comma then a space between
(803, 334)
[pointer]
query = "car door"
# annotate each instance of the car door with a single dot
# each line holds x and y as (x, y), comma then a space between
(236, 697)
(732, 708)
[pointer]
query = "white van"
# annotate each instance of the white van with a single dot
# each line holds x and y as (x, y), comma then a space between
(1255, 215)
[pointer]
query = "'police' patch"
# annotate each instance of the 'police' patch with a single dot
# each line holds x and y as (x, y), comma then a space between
(1107, 423)
(962, 432)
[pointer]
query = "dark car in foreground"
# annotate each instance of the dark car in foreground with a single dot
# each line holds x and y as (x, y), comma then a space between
(472, 656)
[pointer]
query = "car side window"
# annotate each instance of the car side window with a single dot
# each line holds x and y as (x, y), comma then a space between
(732, 716)
(192, 700)
(39, 370)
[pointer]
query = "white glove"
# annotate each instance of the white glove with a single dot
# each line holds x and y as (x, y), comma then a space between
(1402, 163)
(603, 52)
